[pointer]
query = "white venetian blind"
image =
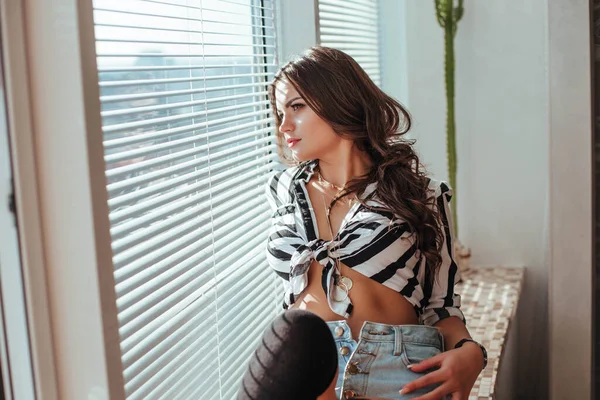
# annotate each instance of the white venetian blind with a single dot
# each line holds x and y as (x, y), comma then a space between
(187, 139)
(352, 26)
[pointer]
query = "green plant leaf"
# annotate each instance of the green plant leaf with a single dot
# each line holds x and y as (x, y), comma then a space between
(440, 12)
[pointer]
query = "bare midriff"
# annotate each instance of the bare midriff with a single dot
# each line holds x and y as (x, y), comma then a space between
(372, 301)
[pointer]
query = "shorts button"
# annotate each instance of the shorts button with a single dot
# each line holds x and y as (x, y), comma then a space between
(352, 369)
(349, 394)
(339, 331)
(345, 351)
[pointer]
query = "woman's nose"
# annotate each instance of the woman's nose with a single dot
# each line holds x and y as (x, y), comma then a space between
(286, 125)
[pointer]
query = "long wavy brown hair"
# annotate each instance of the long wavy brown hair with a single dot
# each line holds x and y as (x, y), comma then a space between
(341, 93)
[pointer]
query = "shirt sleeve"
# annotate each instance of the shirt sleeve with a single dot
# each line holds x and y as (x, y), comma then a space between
(271, 192)
(443, 301)
(279, 243)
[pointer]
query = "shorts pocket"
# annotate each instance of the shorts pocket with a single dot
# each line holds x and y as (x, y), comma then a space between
(413, 353)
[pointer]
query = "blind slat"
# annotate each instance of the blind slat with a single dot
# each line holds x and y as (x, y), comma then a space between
(362, 15)
(172, 106)
(186, 31)
(363, 5)
(143, 82)
(175, 17)
(125, 68)
(341, 17)
(359, 40)
(343, 25)
(160, 42)
(342, 32)
(203, 115)
(177, 93)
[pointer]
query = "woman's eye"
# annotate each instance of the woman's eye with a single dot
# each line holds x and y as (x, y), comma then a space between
(295, 107)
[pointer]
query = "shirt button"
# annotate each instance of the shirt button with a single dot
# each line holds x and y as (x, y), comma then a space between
(339, 331)
(345, 351)
(349, 394)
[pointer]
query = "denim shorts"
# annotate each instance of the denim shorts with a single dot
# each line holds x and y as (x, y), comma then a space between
(376, 365)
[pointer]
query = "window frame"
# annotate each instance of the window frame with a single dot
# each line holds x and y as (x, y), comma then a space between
(74, 344)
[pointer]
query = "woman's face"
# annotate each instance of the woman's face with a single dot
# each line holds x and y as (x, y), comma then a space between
(306, 134)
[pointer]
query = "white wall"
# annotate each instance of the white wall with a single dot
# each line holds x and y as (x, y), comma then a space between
(502, 119)
(502, 122)
(394, 60)
(572, 268)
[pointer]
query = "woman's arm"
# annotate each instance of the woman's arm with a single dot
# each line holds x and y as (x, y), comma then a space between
(440, 300)
(453, 330)
(456, 369)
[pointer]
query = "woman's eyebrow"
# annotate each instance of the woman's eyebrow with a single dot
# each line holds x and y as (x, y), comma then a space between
(292, 100)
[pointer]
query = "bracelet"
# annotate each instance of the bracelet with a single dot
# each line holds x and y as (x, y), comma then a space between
(483, 350)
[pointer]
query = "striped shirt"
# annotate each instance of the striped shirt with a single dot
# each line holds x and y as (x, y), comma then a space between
(371, 240)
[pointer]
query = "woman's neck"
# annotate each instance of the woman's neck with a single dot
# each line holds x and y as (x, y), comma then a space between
(343, 165)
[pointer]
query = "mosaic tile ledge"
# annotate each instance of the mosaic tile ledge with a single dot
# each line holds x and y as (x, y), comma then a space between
(489, 301)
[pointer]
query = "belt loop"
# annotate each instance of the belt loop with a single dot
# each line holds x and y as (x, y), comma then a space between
(397, 340)
(441, 338)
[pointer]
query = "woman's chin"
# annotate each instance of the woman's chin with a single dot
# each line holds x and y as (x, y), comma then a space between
(301, 156)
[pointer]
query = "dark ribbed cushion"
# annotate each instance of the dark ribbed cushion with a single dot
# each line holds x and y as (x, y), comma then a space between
(296, 360)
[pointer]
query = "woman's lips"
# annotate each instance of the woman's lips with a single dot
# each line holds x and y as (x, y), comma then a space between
(292, 142)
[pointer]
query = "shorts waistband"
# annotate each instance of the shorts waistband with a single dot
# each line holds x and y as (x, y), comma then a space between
(373, 331)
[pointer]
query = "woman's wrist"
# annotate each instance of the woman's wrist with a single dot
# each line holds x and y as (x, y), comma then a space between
(476, 348)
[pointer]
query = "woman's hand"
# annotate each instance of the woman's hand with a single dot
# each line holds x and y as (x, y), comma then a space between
(458, 371)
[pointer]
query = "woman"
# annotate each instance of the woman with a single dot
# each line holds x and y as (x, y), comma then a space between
(362, 237)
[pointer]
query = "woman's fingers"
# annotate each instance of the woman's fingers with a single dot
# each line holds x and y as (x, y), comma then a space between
(437, 394)
(428, 363)
(425, 380)
(456, 396)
